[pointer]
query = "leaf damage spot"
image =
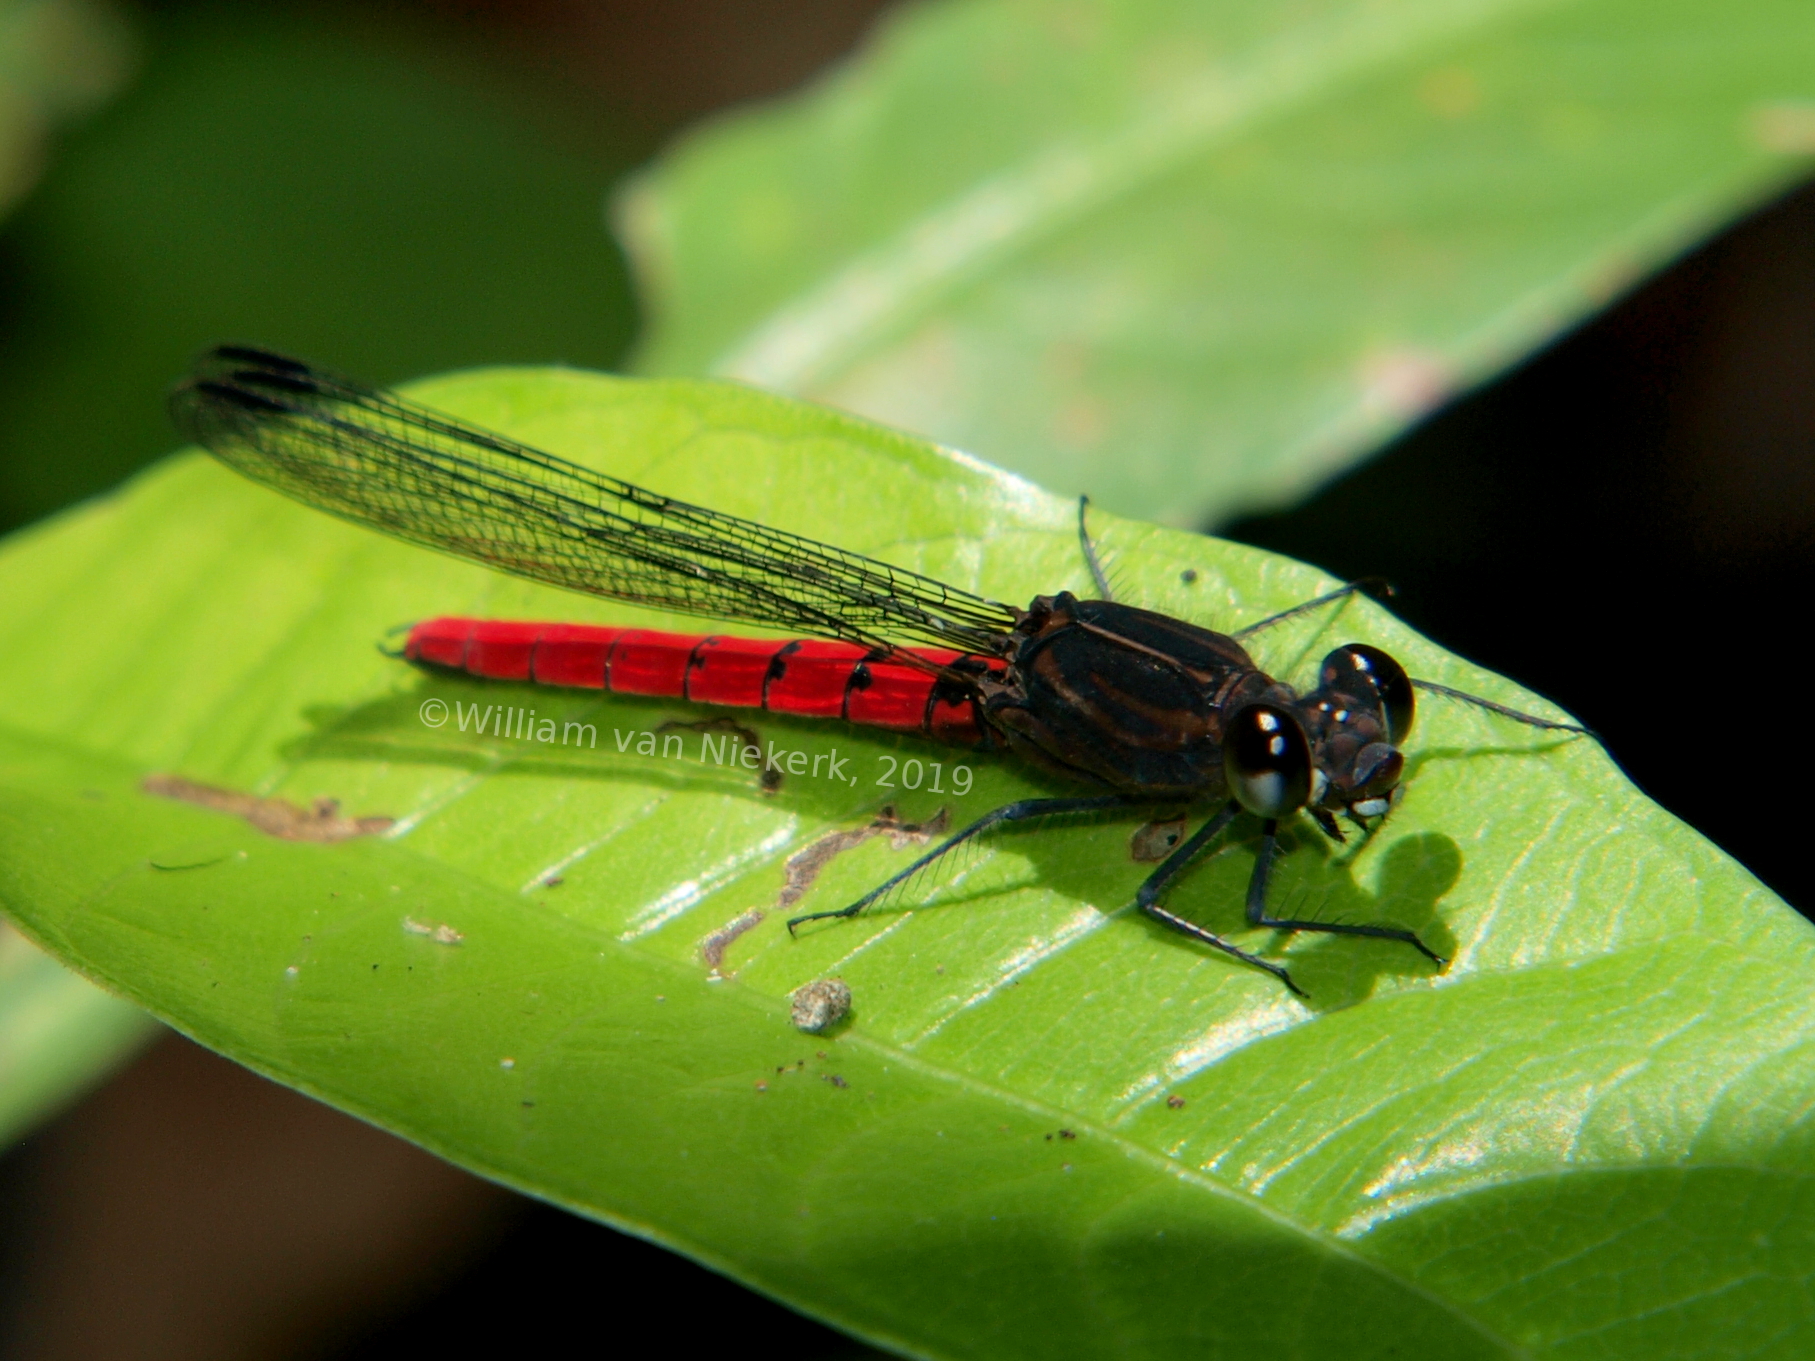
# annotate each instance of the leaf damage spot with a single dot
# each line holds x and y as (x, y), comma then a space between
(320, 822)
(817, 1005)
(712, 948)
(806, 864)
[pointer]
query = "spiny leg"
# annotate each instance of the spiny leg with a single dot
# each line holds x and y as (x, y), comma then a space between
(1363, 585)
(1379, 587)
(1517, 715)
(1147, 898)
(1090, 552)
(1257, 906)
(1009, 812)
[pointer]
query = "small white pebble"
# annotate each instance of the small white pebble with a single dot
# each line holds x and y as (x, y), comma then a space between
(818, 1004)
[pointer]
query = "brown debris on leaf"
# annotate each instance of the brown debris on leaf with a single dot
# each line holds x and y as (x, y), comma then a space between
(804, 865)
(275, 817)
(1152, 842)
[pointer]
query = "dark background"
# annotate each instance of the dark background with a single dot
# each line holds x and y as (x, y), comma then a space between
(1626, 524)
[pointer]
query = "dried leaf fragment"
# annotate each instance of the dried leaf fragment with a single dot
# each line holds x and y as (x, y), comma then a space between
(1152, 842)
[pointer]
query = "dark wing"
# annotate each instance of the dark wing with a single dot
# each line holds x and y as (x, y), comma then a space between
(380, 460)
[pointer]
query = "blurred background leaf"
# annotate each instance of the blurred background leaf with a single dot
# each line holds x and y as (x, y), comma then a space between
(59, 59)
(326, 178)
(57, 1033)
(1194, 259)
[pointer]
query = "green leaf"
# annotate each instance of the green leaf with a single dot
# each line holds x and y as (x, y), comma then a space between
(1194, 259)
(1589, 1137)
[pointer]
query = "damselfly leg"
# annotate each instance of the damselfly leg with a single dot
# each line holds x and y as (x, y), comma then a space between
(1373, 587)
(1091, 560)
(1147, 896)
(1021, 811)
(1257, 906)
(1517, 715)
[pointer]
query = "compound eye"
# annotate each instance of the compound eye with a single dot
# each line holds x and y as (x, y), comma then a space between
(1377, 770)
(1267, 761)
(1368, 676)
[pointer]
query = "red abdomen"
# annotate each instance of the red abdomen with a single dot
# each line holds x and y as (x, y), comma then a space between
(804, 676)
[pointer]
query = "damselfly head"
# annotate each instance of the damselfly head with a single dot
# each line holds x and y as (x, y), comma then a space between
(1336, 749)
(1277, 760)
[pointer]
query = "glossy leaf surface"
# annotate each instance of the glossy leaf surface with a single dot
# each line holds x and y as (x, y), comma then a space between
(1048, 1127)
(1194, 259)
